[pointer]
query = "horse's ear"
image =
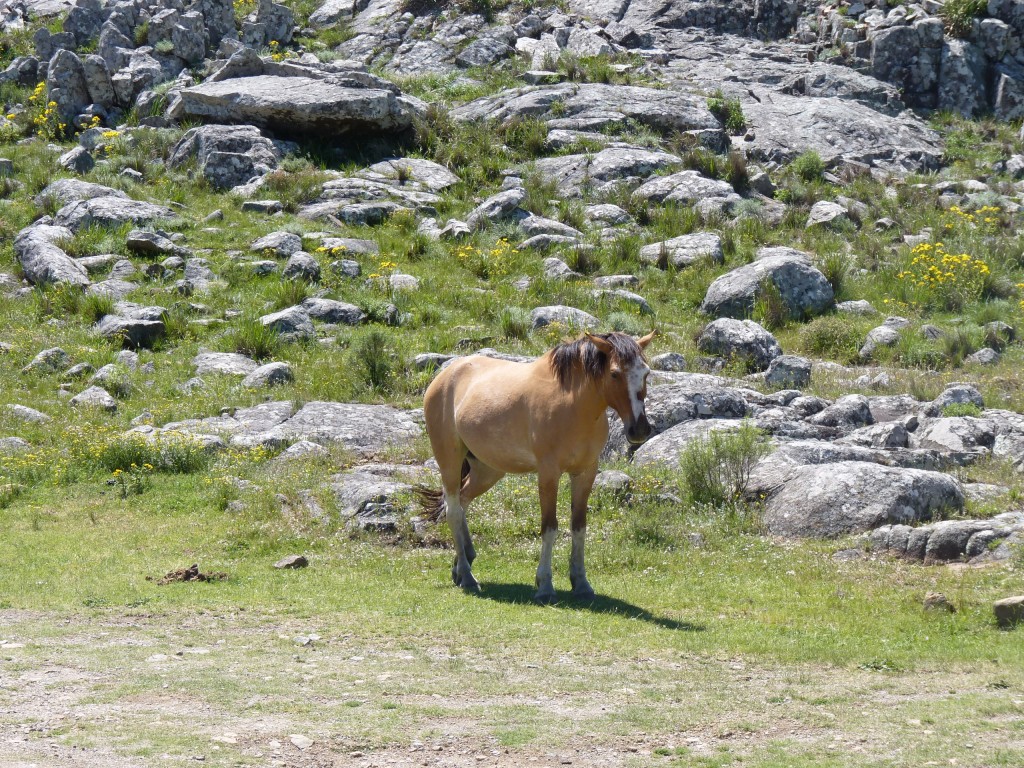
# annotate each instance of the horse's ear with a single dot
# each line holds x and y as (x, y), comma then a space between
(643, 342)
(602, 344)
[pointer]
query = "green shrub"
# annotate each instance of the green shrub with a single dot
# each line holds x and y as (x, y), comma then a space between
(540, 191)
(808, 166)
(94, 306)
(60, 300)
(250, 337)
(716, 469)
(625, 322)
(834, 337)
(961, 409)
(373, 360)
(835, 266)
(728, 111)
(706, 162)
(515, 323)
(141, 34)
(527, 135)
(958, 15)
(294, 189)
(958, 344)
(289, 293)
(736, 172)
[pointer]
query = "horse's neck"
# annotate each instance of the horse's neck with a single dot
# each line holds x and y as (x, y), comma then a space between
(584, 394)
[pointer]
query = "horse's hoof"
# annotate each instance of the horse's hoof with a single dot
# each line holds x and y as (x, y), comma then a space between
(470, 585)
(584, 595)
(544, 598)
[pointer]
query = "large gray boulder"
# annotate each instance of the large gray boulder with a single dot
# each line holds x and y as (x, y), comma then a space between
(300, 106)
(369, 501)
(132, 332)
(292, 324)
(331, 311)
(962, 80)
(66, 85)
(42, 259)
(830, 500)
(803, 287)
(663, 449)
(742, 340)
(958, 434)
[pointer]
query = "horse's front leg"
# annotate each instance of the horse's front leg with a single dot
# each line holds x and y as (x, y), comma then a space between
(548, 486)
(581, 486)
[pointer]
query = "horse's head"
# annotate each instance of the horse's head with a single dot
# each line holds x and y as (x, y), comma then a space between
(624, 383)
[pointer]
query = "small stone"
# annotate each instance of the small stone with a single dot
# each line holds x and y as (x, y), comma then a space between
(51, 360)
(1009, 611)
(77, 160)
(262, 206)
(95, 397)
(300, 741)
(669, 361)
(292, 561)
(936, 601)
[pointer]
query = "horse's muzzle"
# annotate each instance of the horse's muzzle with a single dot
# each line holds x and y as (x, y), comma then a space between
(639, 431)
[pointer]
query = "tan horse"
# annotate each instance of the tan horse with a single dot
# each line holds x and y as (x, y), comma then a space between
(488, 417)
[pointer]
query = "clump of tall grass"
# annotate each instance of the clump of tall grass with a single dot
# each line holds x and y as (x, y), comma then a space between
(250, 337)
(372, 358)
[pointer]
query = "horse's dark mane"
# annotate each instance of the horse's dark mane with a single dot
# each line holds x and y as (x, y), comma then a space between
(572, 359)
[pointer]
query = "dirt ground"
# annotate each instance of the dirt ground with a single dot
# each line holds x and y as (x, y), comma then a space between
(115, 691)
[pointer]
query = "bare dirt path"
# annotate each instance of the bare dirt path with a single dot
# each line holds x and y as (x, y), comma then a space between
(249, 688)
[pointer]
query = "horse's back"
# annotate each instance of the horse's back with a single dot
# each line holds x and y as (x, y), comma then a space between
(484, 403)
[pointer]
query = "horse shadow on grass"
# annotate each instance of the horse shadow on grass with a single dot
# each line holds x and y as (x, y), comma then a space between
(522, 594)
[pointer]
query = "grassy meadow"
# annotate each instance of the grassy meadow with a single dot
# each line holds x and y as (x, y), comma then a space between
(709, 644)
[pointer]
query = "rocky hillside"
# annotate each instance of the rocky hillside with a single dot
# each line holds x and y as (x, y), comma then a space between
(232, 231)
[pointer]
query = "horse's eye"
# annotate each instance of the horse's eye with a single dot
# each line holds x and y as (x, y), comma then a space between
(615, 374)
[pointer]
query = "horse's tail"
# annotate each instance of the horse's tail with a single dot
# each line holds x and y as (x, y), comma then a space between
(432, 499)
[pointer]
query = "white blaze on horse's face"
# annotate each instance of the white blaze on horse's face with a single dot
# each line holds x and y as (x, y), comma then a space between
(625, 388)
(638, 429)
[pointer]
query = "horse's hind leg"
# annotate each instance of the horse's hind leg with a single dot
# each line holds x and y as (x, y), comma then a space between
(451, 456)
(481, 479)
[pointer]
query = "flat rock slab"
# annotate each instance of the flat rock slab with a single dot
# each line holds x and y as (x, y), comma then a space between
(64, 191)
(228, 363)
(109, 212)
(365, 430)
(839, 130)
(299, 105)
(593, 106)
(574, 173)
